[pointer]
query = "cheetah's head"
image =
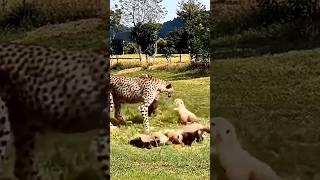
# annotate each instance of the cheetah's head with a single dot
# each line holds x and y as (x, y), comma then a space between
(169, 89)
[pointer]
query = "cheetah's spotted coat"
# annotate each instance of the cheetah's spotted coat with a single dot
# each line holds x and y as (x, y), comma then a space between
(46, 88)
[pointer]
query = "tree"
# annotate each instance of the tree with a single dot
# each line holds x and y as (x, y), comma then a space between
(161, 43)
(142, 11)
(196, 28)
(145, 35)
(115, 18)
(130, 48)
(179, 39)
(168, 50)
(117, 48)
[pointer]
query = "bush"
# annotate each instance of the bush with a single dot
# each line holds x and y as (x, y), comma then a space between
(130, 48)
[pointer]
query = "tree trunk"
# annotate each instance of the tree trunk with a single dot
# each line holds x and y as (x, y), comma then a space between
(24, 11)
(156, 46)
(117, 56)
(139, 49)
(180, 57)
(146, 58)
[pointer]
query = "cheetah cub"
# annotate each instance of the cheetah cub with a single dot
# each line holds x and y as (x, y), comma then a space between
(186, 116)
(187, 134)
(238, 163)
(155, 139)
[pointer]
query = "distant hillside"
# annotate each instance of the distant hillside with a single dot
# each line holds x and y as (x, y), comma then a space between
(126, 36)
(169, 26)
(164, 31)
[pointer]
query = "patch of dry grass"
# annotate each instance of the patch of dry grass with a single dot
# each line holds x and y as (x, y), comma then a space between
(159, 62)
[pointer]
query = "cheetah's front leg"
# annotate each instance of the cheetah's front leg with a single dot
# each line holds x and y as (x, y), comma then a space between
(103, 153)
(117, 112)
(4, 129)
(111, 108)
(26, 167)
(111, 102)
(148, 99)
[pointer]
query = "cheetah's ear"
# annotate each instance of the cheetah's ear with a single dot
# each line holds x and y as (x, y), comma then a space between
(169, 86)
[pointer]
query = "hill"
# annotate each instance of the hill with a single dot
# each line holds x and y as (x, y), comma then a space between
(166, 27)
(169, 26)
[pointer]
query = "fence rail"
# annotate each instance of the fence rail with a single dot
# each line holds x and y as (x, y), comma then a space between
(124, 58)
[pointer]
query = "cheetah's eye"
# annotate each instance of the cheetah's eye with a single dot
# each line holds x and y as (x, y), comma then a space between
(168, 86)
(228, 131)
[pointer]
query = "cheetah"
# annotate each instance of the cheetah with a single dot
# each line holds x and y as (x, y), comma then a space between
(144, 89)
(44, 88)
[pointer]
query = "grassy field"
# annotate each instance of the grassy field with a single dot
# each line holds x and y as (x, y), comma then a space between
(168, 162)
(274, 103)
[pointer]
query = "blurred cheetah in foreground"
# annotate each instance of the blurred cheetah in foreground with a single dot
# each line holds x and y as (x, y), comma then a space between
(46, 88)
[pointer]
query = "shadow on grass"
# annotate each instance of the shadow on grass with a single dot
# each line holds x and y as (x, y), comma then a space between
(191, 74)
(137, 119)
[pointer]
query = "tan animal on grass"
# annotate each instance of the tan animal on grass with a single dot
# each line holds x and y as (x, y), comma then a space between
(155, 139)
(175, 136)
(186, 116)
(160, 138)
(188, 134)
(238, 163)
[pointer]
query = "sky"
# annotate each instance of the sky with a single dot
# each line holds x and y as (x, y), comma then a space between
(171, 7)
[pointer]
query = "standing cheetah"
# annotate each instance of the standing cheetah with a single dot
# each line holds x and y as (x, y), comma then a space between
(46, 88)
(145, 89)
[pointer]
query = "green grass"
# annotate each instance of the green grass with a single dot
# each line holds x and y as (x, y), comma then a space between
(167, 162)
(274, 103)
(82, 40)
(9, 34)
(276, 38)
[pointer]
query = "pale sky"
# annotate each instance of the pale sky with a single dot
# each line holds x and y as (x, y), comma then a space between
(171, 7)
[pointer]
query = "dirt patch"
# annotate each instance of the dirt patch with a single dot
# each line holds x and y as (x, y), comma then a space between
(56, 30)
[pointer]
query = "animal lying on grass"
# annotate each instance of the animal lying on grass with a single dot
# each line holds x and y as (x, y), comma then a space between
(238, 163)
(186, 116)
(188, 134)
(155, 139)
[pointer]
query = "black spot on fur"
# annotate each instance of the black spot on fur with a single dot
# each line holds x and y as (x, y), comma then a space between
(102, 157)
(3, 120)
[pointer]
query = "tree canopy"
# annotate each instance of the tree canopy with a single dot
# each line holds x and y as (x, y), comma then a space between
(145, 11)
